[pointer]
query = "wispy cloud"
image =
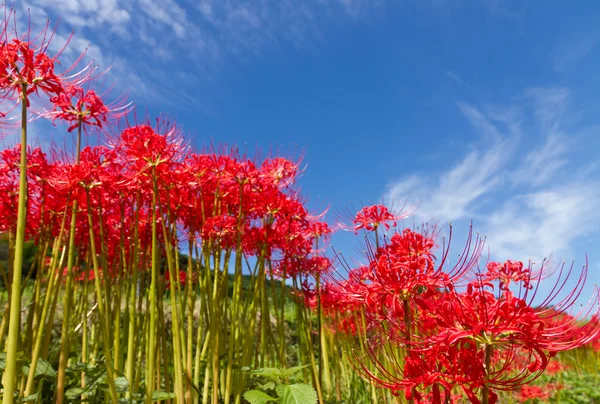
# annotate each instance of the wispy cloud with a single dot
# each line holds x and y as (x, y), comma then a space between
(517, 190)
(455, 77)
(113, 14)
(147, 39)
(572, 49)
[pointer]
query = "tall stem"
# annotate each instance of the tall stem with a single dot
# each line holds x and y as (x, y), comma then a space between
(152, 297)
(65, 331)
(14, 322)
(324, 374)
(133, 283)
(408, 331)
(485, 391)
(101, 308)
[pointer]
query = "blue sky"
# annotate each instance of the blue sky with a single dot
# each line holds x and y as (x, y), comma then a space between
(472, 110)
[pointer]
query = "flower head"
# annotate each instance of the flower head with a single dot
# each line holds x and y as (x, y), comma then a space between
(76, 106)
(371, 217)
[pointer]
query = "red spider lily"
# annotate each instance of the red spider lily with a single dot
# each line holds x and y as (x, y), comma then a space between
(507, 273)
(26, 66)
(38, 204)
(405, 268)
(555, 367)
(453, 337)
(518, 336)
(76, 105)
(182, 279)
(533, 393)
(22, 64)
(222, 230)
(84, 275)
(371, 217)
(279, 171)
(142, 147)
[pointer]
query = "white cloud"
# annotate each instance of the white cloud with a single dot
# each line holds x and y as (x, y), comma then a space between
(517, 182)
(85, 13)
(458, 192)
(573, 49)
(143, 37)
(454, 77)
(169, 13)
(454, 195)
(542, 164)
(534, 225)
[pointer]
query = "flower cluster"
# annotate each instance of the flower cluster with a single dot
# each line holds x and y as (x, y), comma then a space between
(431, 329)
(210, 197)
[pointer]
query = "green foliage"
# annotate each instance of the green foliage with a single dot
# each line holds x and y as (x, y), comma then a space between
(161, 396)
(29, 255)
(578, 388)
(298, 394)
(277, 374)
(277, 388)
(258, 397)
(43, 369)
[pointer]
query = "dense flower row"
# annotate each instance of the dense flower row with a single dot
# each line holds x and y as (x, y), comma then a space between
(213, 197)
(112, 218)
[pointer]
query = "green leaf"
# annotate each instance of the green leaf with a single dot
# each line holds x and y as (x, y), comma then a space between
(268, 372)
(280, 389)
(266, 386)
(20, 359)
(299, 394)
(292, 371)
(258, 397)
(43, 368)
(32, 397)
(74, 392)
(162, 395)
(121, 384)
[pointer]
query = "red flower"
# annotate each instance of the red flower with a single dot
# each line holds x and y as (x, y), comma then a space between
(532, 393)
(26, 66)
(182, 279)
(75, 105)
(371, 217)
(507, 273)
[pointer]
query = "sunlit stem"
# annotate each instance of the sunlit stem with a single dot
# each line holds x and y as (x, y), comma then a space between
(313, 362)
(152, 296)
(14, 322)
(50, 291)
(408, 331)
(175, 329)
(65, 331)
(84, 337)
(132, 330)
(235, 329)
(324, 374)
(101, 307)
(485, 391)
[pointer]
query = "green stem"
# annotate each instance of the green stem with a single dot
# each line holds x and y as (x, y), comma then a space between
(175, 313)
(65, 331)
(52, 281)
(152, 297)
(132, 330)
(14, 322)
(101, 308)
(485, 391)
(408, 331)
(324, 374)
